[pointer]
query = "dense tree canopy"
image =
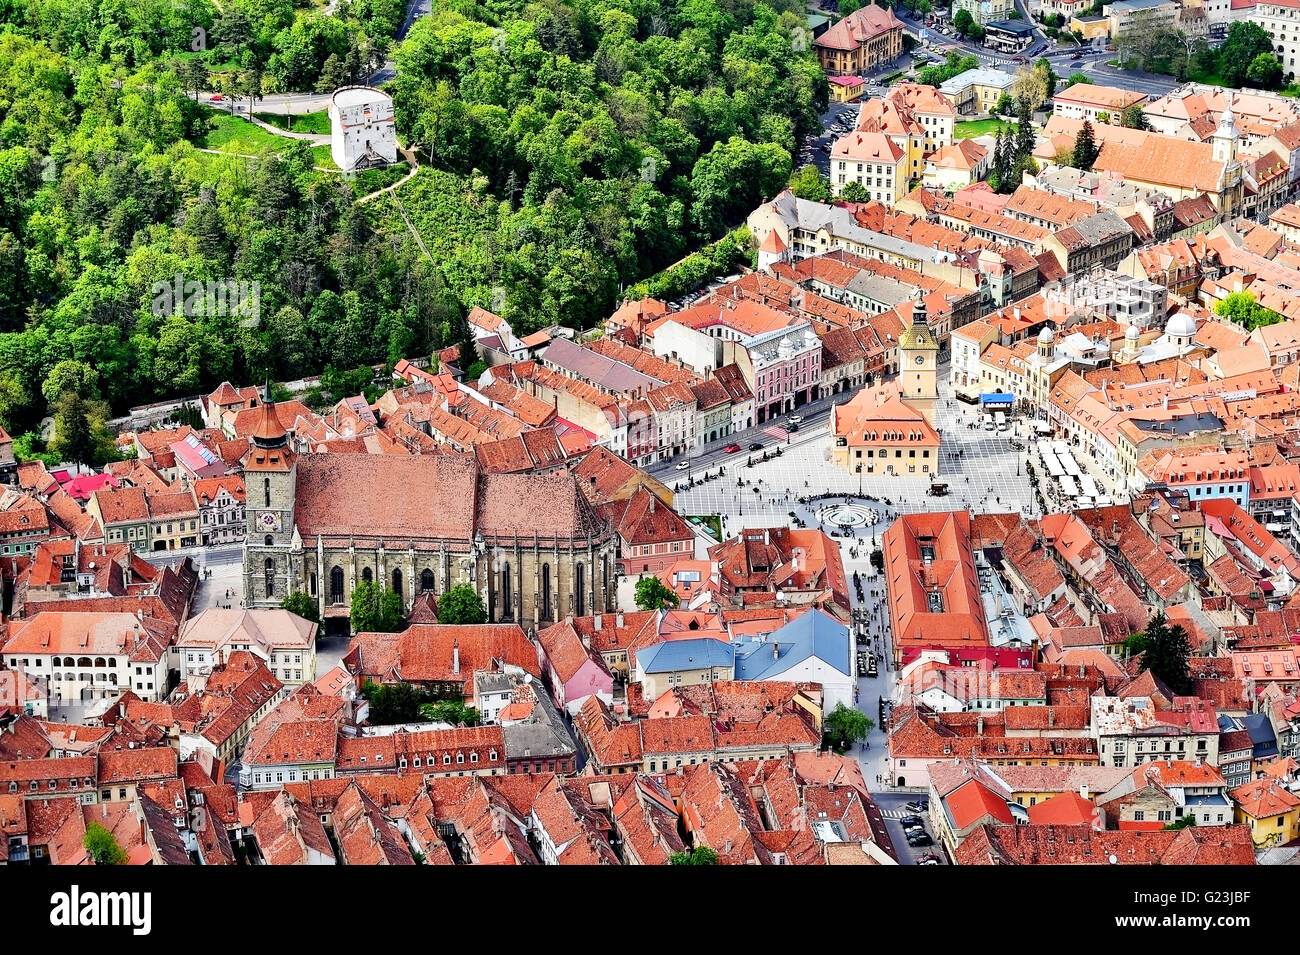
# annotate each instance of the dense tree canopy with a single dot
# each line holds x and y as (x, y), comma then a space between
(577, 146)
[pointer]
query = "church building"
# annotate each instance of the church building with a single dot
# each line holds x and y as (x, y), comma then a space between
(531, 545)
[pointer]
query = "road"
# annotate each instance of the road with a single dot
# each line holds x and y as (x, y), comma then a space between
(814, 415)
(1061, 57)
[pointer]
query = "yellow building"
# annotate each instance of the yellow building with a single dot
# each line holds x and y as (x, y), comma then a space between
(1092, 27)
(1272, 812)
(845, 89)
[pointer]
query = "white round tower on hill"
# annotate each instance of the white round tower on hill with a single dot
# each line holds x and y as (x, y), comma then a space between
(363, 133)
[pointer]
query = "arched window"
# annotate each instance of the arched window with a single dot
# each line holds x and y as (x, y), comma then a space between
(266, 490)
(99, 662)
(505, 591)
(397, 584)
(426, 580)
(546, 591)
(604, 579)
(312, 583)
(578, 588)
(270, 577)
(336, 585)
(269, 540)
(366, 575)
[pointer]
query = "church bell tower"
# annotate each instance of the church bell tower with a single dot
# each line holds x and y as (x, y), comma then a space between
(918, 358)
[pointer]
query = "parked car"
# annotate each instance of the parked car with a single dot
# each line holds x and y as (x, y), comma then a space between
(928, 858)
(731, 448)
(918, 805)
(792, 428)
(919, 839)
(909, 821)
(217, 97)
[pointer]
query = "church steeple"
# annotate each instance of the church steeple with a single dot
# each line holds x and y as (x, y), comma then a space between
(918, 354)
(269, 432)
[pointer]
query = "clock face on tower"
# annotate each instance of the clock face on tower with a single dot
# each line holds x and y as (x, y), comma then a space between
(920, 359)
(268, 521)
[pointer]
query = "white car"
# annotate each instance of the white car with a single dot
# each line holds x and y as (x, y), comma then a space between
(683, 465)
(794, 418)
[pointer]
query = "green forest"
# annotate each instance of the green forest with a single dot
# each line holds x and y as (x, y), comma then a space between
(568, 150)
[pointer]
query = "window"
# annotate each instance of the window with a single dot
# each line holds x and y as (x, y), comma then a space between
(266, 491)
(270, 577)
(426, 580)
(506, 597)
(1138, 815)
(336, 585)
(546, 591)
(367, 575)
(397, 584)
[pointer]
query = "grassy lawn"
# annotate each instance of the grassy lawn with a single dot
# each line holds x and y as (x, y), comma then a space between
(307, 123)
(979, 127)
(321, 156)
(238, 135)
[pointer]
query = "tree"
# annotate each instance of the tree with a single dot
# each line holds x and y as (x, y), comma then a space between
(1050, 77)
(81, 433)
(1075, 79)
(700, 855)
(303, 605)
(854, 192)
(963, 22)
(1242, 46)
(375, 609)
(653, 594)
(1166, 653)
(396, 702)
(101, 845)
(461, 605)
(1006, 105)
(808, 183)
(1241, 308)
(1025, 139)
(1265, 71)
(1134, 117)
(70, 375)
(846, 726)
(12, 397)
(454, 712)
(1085, 148)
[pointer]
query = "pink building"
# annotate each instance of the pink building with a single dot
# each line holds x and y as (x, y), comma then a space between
(572, 670)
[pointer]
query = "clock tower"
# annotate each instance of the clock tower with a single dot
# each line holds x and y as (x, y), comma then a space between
(918, 363)
(270, 485)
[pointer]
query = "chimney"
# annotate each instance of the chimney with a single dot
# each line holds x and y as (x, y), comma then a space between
(1051, 717)
(455, 655)
(776, 651)
(652, 503)
(596, 622)
(979, 726)
(618, 620)
(1083, 790)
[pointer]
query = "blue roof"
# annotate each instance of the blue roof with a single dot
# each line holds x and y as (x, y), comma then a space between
(1261, 734)
(811, 634)
(997, 397)
(675, 655)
